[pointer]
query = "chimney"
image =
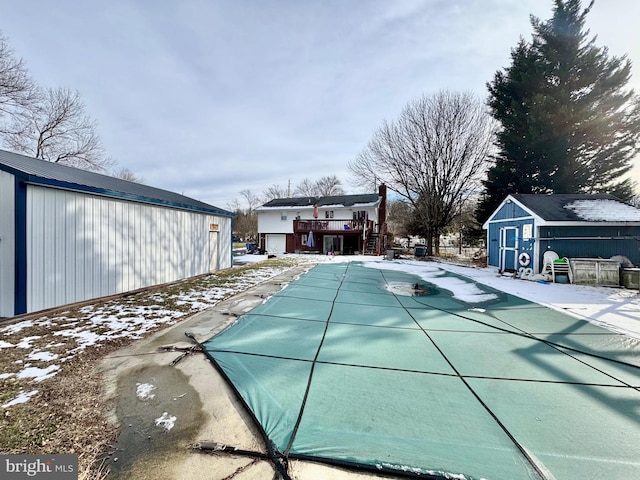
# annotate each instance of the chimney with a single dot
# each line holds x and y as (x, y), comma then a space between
(382, 210)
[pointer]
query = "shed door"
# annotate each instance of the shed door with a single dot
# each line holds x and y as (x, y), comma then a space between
(508, 248)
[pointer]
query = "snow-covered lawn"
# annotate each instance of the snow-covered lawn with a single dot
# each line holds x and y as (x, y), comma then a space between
(35, 349)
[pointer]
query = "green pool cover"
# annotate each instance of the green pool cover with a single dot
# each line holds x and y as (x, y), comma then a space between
(433, 376)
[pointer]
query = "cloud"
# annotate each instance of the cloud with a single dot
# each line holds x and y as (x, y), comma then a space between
(210, 98)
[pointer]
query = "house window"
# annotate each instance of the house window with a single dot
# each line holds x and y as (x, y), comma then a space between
(328, 214)
(283, 216)
(359, 215)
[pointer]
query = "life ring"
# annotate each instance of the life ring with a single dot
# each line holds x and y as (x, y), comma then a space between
(524, 259)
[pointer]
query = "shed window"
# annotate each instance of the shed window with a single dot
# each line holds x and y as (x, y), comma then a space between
(283, 216)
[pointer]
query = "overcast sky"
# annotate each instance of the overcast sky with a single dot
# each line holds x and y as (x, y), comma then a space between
(211, 97)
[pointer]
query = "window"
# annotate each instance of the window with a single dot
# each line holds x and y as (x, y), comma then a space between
(359, 215)
(328, 214)
(283, 216)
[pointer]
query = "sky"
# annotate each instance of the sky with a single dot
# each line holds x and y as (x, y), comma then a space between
(208, 98)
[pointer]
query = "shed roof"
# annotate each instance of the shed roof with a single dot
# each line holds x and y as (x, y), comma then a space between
(62, 176)
(579, 207)
(367, 199)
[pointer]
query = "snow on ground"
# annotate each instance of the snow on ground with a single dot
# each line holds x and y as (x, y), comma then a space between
(39, 346)
(35, 349)
(616, 309)
(166, 421)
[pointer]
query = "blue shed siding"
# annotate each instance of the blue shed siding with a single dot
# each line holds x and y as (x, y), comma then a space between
(509, 210)
(592, 242)
(493, 239)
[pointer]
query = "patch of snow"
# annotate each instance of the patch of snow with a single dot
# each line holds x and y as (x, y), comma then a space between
(16, 327)
(166, 421)
(22, 397)
(39, 374)
(6, 375)
(462, 289)
(604, 210)
(144, 391)
(42, 356)
(4, 344)
(26, 342)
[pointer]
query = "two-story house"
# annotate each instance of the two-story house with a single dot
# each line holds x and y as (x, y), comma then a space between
(344, 224)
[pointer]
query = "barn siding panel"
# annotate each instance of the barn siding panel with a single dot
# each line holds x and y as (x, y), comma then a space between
(7, 243)
(82, 246)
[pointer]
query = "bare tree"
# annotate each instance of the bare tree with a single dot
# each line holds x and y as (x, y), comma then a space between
(328, 186)
(251, 199)
(57, 129)
(273, 192)
(245, 225)
(398, 218)
(126, 174)
(306, 188)
(324, 187)
(434, 156)
(17, 90)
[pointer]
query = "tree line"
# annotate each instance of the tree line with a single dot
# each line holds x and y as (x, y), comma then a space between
(48, 123)
(246, 222)
(559, 119)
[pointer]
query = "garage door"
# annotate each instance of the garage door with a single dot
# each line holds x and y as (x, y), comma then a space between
(276, 243)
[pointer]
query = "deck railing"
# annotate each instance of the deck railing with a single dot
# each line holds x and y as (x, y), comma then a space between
(330, 225)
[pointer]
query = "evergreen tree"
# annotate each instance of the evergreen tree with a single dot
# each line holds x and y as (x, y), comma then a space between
(569, 122)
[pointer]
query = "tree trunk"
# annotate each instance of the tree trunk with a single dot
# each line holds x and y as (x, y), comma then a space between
(429, 244)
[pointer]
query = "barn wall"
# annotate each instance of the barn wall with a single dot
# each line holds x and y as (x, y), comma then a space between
(7, 243)
(81, 246)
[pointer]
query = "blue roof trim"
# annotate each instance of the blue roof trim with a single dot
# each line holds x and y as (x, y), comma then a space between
(124, 196)
(39, 172)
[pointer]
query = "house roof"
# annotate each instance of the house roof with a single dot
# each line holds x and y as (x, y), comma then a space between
(50, 174)
(578, 207)
(367, 199)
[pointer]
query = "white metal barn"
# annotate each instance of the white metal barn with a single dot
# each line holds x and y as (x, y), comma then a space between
(68, 235)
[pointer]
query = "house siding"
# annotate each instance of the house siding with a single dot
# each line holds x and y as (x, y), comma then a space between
(270, 221)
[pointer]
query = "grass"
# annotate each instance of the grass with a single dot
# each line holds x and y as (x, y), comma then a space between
(68, 413)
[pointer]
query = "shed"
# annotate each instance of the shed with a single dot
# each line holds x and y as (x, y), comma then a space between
(524, 226)
(68, 235)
